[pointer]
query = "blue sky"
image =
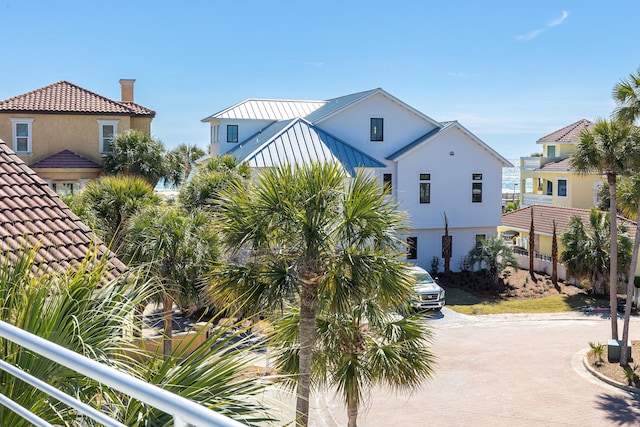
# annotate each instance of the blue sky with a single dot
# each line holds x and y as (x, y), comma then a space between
(511, 72)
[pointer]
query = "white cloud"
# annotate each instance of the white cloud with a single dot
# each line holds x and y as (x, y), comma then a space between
(533, 34)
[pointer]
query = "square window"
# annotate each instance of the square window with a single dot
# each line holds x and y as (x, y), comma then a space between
(377, 125)
(232, 133)
(476, 192)
(412, 248)
(425, 176)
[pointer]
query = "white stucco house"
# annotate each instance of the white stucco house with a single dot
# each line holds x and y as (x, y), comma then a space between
(432, 167)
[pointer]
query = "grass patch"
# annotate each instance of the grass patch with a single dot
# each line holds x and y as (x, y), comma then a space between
(466, 303)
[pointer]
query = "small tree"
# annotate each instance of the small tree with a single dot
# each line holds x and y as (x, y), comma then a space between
(532, 247)
(446, 245)
(137, 153)
(494, 255)
(554, 256)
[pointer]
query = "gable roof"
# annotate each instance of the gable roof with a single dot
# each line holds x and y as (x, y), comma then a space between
(65, 97)
(32, 215)
(442, 129)
(297, 141)
(66, 159)
(543, 217)
(569, 133)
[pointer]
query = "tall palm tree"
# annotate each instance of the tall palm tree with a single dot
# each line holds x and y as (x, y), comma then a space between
(626, 94)
(587, 249)
(358, 349)
(189, 153)
(178, 247)
(602, 149)
(291, 231)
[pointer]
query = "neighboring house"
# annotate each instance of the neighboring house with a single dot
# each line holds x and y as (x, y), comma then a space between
(432, 168)
(550, 179)
(516, 225)
(62, 130)
(32, 215)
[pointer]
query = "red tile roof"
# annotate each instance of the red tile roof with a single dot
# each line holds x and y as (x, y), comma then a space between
(543, 217)
(31, 215)
(65, 97)
(66, 159)
(569, 133)
(563, 165)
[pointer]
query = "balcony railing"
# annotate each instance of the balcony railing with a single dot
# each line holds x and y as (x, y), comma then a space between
(185, 412)
(532, 163)
(536, 199)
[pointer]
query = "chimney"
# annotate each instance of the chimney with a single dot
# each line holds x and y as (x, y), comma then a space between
(126, 88)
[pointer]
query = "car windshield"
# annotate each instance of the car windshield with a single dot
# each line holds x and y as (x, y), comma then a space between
(424, 278)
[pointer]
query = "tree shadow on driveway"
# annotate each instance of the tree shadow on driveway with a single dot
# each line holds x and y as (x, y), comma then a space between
(621, 410)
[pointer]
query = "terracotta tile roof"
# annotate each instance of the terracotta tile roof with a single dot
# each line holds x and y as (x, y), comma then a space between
(66, 159)
(563, 165)
(65, 97)
(543, 217)
(31, 215)
(569, 133)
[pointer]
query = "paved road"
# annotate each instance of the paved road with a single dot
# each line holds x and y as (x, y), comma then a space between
(502, 370)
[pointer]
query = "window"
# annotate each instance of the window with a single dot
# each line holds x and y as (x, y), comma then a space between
(232, 133)
(22, 133)
(412, 248)
(387, 183)
(562, 188)
(480, 239)
(551, 151)
(214, 134)
(425, 188)
(476, 188)
(549, 188)
(65, 188)
(377, 125)
(108, 131)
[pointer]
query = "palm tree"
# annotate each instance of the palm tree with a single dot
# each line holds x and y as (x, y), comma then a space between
(189, 153)
(292, 231)
(495, 255)
(210, 178)
(78, 310)
(137, 153)
(587, 250)
(108, 203)
(178, 248)
(626, 94)
(602, 149)
(358, 349)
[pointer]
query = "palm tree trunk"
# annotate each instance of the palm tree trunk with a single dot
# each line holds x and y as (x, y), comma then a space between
(630, 290)
(167, 306)
(307, 335)
(532, 247)
(613, 270)
(352, 412)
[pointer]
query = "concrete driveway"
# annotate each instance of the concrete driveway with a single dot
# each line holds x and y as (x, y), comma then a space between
(502, 370)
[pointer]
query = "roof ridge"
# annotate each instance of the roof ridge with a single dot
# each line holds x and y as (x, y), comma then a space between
(566, 130)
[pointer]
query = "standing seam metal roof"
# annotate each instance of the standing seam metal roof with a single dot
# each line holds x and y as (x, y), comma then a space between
(268, 109)
(296, 142)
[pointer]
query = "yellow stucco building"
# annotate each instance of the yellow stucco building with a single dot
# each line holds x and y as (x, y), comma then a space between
(550, 180)
(62, 130)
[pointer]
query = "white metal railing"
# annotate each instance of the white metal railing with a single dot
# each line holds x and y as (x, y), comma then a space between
(184, 411)
(536, 199)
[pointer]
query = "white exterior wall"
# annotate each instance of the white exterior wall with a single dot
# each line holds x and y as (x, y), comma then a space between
(430, 245)
(246, 128)
(401, 126)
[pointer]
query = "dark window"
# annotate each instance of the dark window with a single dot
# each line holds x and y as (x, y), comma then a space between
(562, 188)
(412, 248)
(480, 239)
(425, 188)
(377, 126)
(232, 133)
(549, 188)
(551, 151)
(387, 183)
(476, 192)
(477, 177)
